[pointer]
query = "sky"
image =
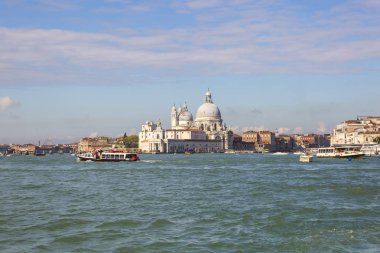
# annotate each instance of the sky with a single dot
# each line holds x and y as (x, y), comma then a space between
(82, 68)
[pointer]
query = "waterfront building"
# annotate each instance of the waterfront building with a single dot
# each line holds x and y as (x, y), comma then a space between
(240, 146)
(251, 137)
(151, 138)
(363, 130)
(268, 140)
(307, 140)
(104, 143)
(24, 148)
(33, 149)
(312, 140)
(206, 134)
(91, 144)
(4, 148)
(264, 141)
(285, 143)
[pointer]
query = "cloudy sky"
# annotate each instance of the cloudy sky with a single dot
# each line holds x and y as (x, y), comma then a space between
(77, 68)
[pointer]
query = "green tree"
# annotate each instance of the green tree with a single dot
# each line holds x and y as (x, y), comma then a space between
(131, 141)
(125, 139)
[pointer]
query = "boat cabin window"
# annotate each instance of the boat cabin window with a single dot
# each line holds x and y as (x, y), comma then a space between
(113, 156)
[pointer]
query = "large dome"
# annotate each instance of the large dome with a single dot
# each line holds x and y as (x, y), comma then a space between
(208, 110)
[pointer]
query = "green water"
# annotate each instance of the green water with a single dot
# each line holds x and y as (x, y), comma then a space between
(189, 203)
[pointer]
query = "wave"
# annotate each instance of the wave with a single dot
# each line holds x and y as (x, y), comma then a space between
(160, 223)
(120, 223)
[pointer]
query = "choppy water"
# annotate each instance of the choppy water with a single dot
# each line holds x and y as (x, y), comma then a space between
(189, 203)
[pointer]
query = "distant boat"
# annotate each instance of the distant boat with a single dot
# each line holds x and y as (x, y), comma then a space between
(370, 149)
(88, 156)
(39, 153)
(280, 153)
(305, 158)
(108, 156)
(340, 152)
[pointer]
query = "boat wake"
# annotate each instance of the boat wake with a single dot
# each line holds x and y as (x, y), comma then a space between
(151, 161)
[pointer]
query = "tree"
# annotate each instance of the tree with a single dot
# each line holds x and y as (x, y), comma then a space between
(131, 141)
(377, 140)
(125, 139)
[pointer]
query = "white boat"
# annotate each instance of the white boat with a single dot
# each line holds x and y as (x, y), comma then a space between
(108, 156)
(88, 156)
(280, 153)
(340, 152)
(306, 158)
(370, 149)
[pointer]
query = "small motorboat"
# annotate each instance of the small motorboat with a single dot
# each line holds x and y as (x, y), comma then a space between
(305, 158)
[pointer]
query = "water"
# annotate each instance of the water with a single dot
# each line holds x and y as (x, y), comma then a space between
(189, 203)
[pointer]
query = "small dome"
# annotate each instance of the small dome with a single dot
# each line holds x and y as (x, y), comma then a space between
(185, 116)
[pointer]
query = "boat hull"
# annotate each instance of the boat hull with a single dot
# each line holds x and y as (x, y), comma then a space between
(113, 160)
(356, 155)
(306, 158)
(350, 152)
(108, 157)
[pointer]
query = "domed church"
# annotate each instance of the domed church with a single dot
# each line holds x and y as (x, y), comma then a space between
(206, 134)
(181, 119)
(209, 118)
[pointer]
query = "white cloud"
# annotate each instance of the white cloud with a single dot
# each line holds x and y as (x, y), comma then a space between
(235, 129)
(283, 130)
(231, 37)
(133, 131)
(298, 130)
(321, 128)
(93, 135)
(260, 128)
(6, 102)
(201, 4)
(59, 5)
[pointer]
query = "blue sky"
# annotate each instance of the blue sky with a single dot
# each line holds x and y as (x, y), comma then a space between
(72, 69)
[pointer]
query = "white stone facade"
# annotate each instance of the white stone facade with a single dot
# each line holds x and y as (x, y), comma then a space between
(361, 131)
(151, 138)
(206, 134)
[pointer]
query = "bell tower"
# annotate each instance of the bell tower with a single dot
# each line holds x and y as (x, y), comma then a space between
(174, 117)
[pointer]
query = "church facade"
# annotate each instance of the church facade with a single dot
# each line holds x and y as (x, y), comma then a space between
(206, 134)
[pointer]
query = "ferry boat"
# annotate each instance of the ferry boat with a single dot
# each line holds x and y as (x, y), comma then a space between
(39, 153)
(88, 156)
(108, 156)
(371, 149)
(340, 152)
